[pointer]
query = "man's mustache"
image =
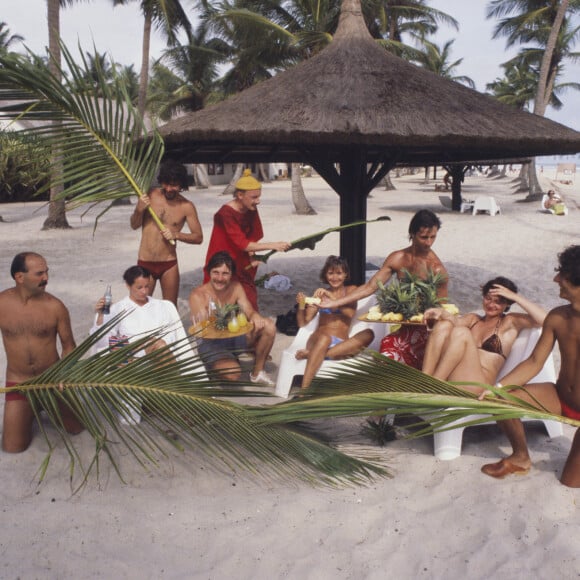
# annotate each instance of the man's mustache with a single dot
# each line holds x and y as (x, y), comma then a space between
(43, 283)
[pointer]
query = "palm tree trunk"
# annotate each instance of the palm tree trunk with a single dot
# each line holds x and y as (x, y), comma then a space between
(263, 174)
(535, 189)
(144, 75)
(231, 187)
(522, 178)
(542, 98)
(542, 93)
(301, 204)
(200, 176)
(388, 182)
(56, 208)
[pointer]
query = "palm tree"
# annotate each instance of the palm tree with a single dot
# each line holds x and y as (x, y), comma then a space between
(287, 32)
(7, 39)
(56, 209)
(436, 59)
(169, 17)
(544, 24)
(184, 78)
(391, 20)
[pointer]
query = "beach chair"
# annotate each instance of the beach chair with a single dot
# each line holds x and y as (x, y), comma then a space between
(485, 203)
(447, 444)
(290, 367)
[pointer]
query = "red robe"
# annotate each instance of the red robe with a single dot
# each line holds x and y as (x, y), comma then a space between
(232, 232)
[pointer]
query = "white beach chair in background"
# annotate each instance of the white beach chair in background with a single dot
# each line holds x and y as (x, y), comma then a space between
(485, 203)
(447, 444)
(290, 367)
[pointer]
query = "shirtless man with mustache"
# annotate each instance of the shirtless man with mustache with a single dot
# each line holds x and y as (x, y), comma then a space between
(31, 319)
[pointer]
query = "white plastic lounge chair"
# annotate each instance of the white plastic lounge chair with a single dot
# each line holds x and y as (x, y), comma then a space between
(447, 444)
(485, 203)
(290, 367)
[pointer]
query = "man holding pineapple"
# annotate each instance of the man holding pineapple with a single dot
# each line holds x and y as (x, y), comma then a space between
(408, 343)
(219, 300)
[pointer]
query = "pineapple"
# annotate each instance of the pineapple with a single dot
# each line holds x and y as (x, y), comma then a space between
(410, 295)
(223, 314)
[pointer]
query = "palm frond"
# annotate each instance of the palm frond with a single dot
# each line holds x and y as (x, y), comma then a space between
(99, 134)
(375, 385)
(309, 242)
(175, 396)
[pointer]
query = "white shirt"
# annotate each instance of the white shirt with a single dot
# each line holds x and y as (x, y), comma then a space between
(142, 320)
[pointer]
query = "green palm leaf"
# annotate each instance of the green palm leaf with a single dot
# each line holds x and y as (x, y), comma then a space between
(179, 398)
(309, 242)
(375, 384)
(98, 133)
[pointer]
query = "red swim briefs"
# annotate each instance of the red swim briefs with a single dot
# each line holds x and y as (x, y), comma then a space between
(157, 269)
(14, 395)
(567, 411)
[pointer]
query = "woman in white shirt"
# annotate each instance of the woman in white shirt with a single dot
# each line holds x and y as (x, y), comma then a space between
(145, 314)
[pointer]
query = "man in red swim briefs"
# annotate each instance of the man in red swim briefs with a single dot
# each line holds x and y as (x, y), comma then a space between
(157, 253)
(31, 319)
(562, 325)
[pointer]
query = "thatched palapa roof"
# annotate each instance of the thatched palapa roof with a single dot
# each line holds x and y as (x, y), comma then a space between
(355, 94)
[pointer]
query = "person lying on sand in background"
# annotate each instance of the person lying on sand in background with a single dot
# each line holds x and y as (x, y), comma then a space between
(330, 340)
(221, 354)
(31, 320)
(406, 345)
(562, 326)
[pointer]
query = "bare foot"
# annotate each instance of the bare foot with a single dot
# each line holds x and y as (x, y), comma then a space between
(301, 354)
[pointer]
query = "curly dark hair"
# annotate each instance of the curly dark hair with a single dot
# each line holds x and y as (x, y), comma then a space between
(171, 172)
(569, 264)
(334, 262)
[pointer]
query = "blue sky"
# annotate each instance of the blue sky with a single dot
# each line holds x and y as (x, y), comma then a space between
(118, 31)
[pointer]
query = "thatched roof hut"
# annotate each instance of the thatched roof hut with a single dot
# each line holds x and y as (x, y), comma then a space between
(356, 107)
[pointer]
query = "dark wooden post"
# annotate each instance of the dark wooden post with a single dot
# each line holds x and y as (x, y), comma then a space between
(353, 208)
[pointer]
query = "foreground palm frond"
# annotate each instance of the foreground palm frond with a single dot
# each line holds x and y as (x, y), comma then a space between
(309, 242)
(97, 131)
(180, 409)
(376, 385)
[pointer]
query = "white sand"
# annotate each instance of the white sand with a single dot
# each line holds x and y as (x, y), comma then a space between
(434, 519)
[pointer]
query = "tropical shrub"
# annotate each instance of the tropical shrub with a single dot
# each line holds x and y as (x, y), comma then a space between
(24, 167)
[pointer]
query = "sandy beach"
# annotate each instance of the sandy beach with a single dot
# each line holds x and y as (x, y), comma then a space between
(433, 519)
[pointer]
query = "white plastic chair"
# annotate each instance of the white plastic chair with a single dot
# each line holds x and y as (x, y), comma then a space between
(485, 203)
(290, 367)
(447, 444)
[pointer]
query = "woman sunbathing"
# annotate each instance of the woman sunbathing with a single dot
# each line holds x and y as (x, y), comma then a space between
(330, 340)
(472, 347)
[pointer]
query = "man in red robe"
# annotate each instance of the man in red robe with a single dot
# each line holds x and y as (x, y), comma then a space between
(237, 229)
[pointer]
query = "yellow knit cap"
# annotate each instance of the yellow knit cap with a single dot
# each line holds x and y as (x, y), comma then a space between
(247, 182)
